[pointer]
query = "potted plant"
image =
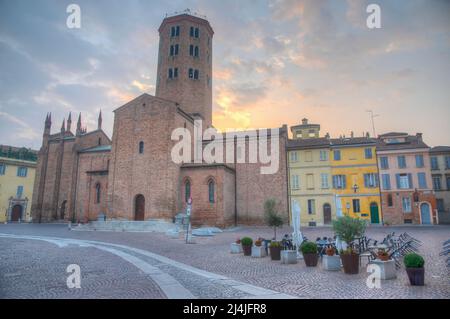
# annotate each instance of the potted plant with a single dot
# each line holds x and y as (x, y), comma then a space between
(331, 261)
(414, 268)
(247, 243)
(258, 250)
(347, 229)
(273, 219)
(275, 250)
(382, 254)
(310, 255)
(236, 247)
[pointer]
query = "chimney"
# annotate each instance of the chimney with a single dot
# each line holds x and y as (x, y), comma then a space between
(304, 121)
(419, 137)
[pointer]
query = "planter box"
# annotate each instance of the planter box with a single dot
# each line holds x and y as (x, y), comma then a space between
(235, 248)
(387, 269)
(275, 253)
(258, 251)
(288, 257)
(350, 262)
(416, 276)
(331, 263)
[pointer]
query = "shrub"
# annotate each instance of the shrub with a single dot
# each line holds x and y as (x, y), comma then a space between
(258, 242)
(348, 228)
(413, 260)
(271, 215)
(330, 251)
(246, 241)
(309, 248)
(275, 244)
(238, 241)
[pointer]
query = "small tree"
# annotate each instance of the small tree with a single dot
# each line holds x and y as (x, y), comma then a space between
(272, 218)
(348, 228)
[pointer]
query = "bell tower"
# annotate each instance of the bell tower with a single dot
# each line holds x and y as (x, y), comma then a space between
(185, 64)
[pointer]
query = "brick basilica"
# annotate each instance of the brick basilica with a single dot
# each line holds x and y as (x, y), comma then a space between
(132, 176)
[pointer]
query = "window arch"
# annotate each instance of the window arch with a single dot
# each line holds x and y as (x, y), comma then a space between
(187, 190)
(98, 190)
(211, 190)
(141, 147)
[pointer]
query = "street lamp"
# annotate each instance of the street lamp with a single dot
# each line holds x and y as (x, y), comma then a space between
(355, 188)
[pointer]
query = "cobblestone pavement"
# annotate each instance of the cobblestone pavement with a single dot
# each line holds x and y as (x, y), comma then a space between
(212, 254)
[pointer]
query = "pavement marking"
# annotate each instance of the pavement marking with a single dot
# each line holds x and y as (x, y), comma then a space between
(169, 285)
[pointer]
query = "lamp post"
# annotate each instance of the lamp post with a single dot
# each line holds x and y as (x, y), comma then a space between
(355, 188)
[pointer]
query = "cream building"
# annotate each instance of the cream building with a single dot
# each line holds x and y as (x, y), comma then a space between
(16, 188)
(310, 175)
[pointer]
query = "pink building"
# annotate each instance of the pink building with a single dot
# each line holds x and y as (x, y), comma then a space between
(407, 195)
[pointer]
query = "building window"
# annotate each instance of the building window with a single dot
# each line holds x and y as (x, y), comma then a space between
(422, 180)
(194, 32)
(191, 50)
(294, 156)
(97, 193)
(419, 161)
(170, 73)
(310, 181)
(447, 179)
(195, 74)
(401, 160)
(434, 163)
(406, 204)
(191, 73)
(211, 191)
(437, 182)
(196, 52)
(337, 155)
(22, 171)
(2, 169)
(390, 202)
(324, 155)
(173, 73)
(141, 147)
(356, 206)
(368, 153)
(174, 49)
(370, 180)
(19, 192)
(175, 31)
(295, 182)
(308, 156)
(311, 206)
(404, 181)
(324, 180)
(339, 181)
(386, 180)
(187, 191)
(384, 162)
(447, 162)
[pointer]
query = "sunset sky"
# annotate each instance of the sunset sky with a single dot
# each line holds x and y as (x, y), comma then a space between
(275, 62)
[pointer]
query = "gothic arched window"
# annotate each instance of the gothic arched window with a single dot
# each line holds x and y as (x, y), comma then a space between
(97, 193)
(211, 191)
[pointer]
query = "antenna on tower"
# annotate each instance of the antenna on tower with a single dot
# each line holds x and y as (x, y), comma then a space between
(372, 116)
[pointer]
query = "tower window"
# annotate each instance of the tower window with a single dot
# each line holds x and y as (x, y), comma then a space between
(191, 73)
(211, 191)
(141, 147)
(170, 73)
(175, 72)
(175, 31)
(196, 74)
(191, 50)
(174, 49)
(196, 51)
(194, 32)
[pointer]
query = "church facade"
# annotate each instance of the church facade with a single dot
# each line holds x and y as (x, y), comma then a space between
(133, 176)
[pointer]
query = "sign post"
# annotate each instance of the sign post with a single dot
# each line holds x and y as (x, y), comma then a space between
(188, 214)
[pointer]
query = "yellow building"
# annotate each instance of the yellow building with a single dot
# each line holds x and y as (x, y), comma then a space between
(355, 177)
(310, 175)
(16, 184)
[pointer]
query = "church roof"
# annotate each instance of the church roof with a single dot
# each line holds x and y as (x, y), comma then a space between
(100, 148)
(440, 149)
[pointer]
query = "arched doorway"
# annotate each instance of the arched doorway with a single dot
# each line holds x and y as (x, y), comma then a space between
(62, 210)
(326, 214)
(374, 215)
(425, 213)
(139, 207)
(16, 213)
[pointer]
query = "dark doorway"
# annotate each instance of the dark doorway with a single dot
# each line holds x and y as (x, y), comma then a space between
(139, 207)
(374, 215)
(62, 210)
(327, 214)
(16, 213)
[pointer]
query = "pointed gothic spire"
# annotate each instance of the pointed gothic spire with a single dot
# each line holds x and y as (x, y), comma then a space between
(63, 126)
(79, 125)
(99, 126)
(69, 122)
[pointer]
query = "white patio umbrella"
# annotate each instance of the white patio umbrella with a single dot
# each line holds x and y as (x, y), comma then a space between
(339, 244)
(297, 236)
